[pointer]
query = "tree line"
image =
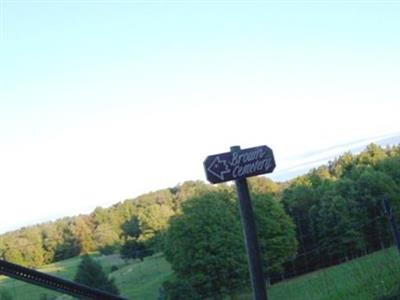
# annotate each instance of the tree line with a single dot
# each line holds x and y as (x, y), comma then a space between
(141, 219)
(337, 208)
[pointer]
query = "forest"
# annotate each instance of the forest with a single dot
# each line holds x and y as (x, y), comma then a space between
(329, 215)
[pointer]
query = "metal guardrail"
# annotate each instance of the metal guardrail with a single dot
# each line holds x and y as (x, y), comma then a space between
(54, 283)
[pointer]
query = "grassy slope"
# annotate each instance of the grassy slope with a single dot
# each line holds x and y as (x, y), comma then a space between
(141, 280)
(135, 279)
(364, 278)
(20, 290)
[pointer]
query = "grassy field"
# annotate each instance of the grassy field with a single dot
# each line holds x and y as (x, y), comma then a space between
(142, 280)
(20, 290)
(362, 279)
(135, 279)
(365, 278)
(64, 269)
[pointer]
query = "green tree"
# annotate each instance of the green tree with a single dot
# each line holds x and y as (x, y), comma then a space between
(299, 200)
(25, 248)
(160, 197)
(391, 167)
(178, 289)
(341, 166)
(14, 255)
(91, 273)
(262, 185)
(153, 221)
(83, 234)
(33, 252)
(276, 232)
(135, 249)
(69, 246)
(131, 228)
(104, 235)
(188, 190)
(205, 245)
(337, 228)
(52, 239)
(372, 186)
(371, 155)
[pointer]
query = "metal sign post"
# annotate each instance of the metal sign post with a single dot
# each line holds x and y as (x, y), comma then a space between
(237, 165)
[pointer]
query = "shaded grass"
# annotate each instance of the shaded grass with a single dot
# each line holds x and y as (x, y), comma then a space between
(368, 277)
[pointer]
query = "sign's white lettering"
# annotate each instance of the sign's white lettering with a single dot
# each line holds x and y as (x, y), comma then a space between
(257, 166)
(240, 158)
(235, 165)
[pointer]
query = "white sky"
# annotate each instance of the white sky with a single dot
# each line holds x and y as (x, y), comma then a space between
(93, 114)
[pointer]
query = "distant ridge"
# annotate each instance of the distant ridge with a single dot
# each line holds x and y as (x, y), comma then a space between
(309, 160)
